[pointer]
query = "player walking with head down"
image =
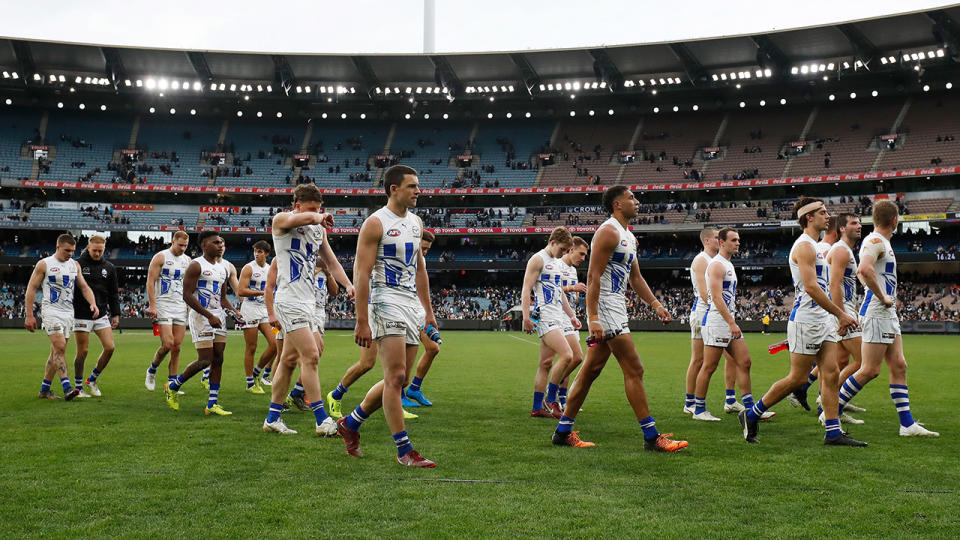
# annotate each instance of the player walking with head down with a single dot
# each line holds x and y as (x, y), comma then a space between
(881, 325)
(811, 333)
(299, 238)
(613, 265)
(389, 261)
(543, 279)
(167, 308)
(58, 276)
(252, 286)
(101, 276)
(560, 374)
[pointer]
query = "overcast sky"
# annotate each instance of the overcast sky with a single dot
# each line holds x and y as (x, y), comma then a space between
(396, 26)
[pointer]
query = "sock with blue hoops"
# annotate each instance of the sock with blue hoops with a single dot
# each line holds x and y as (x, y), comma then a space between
(747, 400)
(94, 375)
(318, 411)
(731, 396)
(65, 383)
(257, 370)
(251, 380)
(402, 442)
(206, 374)
(833, 428)
(214, 394)
(537, 401)
(176, 383)
(266, 372)
(339, 391)
(273, 414)
(562, 396)
(152, 369)
(848, 390)
(649, 427)
(565, 425)
(415, 384)
(297, 390)
(45, 385)
(355, 419)
(901, 399)
(699, 405)
(688, 401)
(171, 378)
(811, 378)
(552, 390)
(754, 413)
(78, 380)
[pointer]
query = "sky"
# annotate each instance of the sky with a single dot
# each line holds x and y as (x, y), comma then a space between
(396, 26)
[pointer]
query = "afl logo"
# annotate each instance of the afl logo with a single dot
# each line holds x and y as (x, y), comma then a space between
(207, 273)
(393, 233)
(549, 267)
(623, 243)
(55, 269)
(168, 263)
(300, 230)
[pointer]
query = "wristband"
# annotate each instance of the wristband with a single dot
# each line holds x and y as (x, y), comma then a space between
(656, 304)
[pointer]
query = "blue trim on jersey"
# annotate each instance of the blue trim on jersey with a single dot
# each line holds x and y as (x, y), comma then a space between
(866, 302)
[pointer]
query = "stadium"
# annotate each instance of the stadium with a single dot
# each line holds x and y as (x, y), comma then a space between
(125, 147)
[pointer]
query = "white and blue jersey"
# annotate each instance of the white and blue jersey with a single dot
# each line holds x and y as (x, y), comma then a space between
(849, 285)
(699, 307)
(59, 283)
(169, 288)
(258, 282)
(712, 316)
(321, 292)
(548, 289)
(569, 280)
(394, 275)
(297, 251)
(805, 309)
(210, 284)
(885, 266)
(616, 276)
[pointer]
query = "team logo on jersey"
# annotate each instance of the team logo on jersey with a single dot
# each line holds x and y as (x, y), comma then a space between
(819, 255)
(300, 230)
(207, 273)
(393, 233)
(730, 273)
(549, 267)
(168, 263)
(416, 231)
(623, 243)
(55, 269)
(890, 253)
(103, 272)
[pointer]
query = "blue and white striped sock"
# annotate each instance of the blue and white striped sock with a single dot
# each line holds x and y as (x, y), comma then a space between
(65, 383)
(355, 419)
(94, 375)
(699, 405)
(176, 383)
(756, 412)
(811, 378)
(339, 391)
(78, 380)
(688, 400)
(266, 372)
(403, 443)
(833, 428)
(297, 390)
(901, 400)
(273, 414)
(848, 389)
(565, 425)
(562, 396)
(251, 381)
(415, 384)
(318, 412)
(747, 400)
(731, 396)
(45, 385)
(537, 401)
(206, 374)
(214, 394)
(649, 427)
(152, 369)
(552, 390)
(257, 370)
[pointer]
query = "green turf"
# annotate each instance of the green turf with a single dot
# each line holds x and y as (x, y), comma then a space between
(126, 465)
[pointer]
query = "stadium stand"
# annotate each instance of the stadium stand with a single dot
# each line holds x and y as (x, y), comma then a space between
(177, 143)
(671, 145)
(928, 119)
(429, 146)
(17, 127)
(85, 148)
(345, 149)
(257, 152)
(591, 144)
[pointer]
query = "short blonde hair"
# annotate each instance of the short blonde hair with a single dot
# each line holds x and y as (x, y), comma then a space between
(97, 239)
(181, 234)
(561, 235)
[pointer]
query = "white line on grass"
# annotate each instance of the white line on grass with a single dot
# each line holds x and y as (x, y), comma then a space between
(523, 340)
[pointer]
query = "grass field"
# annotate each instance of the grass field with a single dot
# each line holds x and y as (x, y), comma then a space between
(126, 465)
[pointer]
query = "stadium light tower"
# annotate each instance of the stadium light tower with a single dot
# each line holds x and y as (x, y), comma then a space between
(429, 26)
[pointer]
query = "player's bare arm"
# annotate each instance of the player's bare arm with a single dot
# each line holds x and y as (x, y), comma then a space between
(370, 233)
(284, 221)
(868, 276)
(534, 266)
(715, 280)
(190, 294)
(245, 290)
(268, 294)
(699, 268)
(153, 274)
(30, 296)
(838, 263)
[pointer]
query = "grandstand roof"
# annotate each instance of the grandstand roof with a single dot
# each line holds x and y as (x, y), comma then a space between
(874, 42)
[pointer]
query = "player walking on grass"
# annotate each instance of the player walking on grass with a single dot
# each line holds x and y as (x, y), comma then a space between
(166, 305)
(812, 333)
(58, 276)
(101, 276)
(613, 265)
(252, 285)
(429, 336)
(543, 280)
(879, 320)
(204, 291)
(560, 373)
(299, 238)
(719, 328)
(698, 272)
(390, 272)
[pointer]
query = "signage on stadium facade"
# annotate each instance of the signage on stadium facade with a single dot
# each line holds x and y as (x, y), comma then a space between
(130, 206)
(685, 186)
